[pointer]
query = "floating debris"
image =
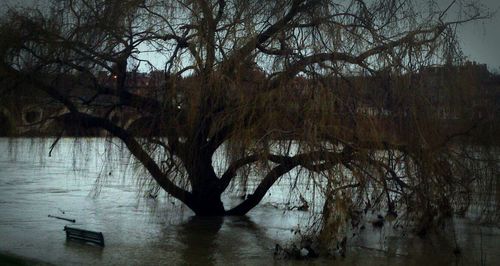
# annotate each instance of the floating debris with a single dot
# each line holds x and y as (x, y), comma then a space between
(62, 218)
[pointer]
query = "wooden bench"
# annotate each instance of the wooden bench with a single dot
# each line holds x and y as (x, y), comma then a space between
(84, 235)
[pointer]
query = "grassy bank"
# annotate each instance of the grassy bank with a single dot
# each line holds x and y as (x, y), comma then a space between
(9, 259)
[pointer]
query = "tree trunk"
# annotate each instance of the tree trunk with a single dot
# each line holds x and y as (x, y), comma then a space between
(206, 195)
(208, 205)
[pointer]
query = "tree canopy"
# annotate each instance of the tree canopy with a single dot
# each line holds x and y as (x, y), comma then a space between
(342, 92)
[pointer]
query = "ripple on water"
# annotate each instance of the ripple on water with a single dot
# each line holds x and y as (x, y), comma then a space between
(142, 232)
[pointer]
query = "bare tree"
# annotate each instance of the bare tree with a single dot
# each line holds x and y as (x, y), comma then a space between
(334, 90)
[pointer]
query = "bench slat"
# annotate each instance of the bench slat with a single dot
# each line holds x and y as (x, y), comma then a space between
(84, 235)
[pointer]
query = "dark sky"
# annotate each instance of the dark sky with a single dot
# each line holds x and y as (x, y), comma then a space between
(480, 40)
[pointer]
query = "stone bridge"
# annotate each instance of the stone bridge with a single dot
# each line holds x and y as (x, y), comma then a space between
(34, 120)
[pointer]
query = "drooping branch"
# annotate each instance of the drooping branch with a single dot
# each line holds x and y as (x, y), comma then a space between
(393, 175)
(134, 147)
(75, 117)
(262, 189)
(297, 7)
(409, 39)
(285, 165)
(231, 171)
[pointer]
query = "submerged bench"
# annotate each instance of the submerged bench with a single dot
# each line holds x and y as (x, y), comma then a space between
(84, 235)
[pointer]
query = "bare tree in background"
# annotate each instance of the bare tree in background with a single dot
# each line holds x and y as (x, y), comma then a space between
(332, 90)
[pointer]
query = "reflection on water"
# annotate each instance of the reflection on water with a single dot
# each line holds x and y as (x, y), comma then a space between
(141, 231)
(198, 236)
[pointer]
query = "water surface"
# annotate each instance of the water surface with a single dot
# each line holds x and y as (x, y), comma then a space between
(142, 231)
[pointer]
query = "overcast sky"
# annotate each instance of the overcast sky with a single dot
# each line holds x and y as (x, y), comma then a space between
(480, 41)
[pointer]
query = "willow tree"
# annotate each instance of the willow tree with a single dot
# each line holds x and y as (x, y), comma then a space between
(276, 84)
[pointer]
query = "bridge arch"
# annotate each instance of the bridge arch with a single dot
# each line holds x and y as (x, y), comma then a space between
(31, 115)
(124, 119)
(130, 121)
(145, 126)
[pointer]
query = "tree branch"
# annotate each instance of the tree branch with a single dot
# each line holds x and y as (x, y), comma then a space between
(230, 173)
(298, 6)
(286, 164)
(262, 189)
(134, 147)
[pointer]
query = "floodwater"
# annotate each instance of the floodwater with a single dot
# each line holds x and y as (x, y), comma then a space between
(145, 231)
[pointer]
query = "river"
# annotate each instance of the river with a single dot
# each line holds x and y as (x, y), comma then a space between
(143, 231)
